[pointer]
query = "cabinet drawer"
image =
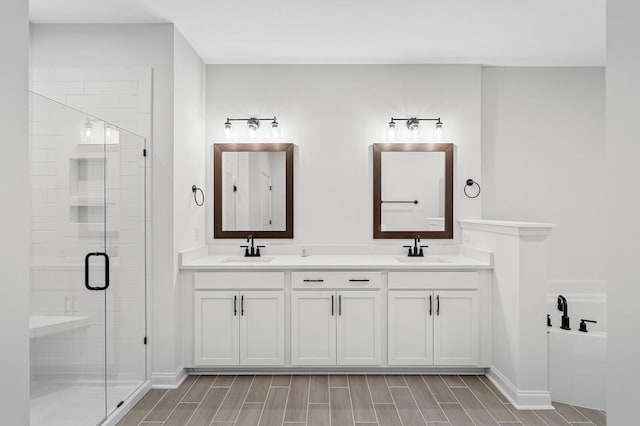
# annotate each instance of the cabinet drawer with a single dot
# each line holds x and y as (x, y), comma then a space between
(238, 280)
(433, 280)
(334, 279)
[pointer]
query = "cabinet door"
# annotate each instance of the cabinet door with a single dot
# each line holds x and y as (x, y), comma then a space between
(262, 328)
(359, 328)
(456, 328)
(313, 328)
(410, 327)
(216, 328)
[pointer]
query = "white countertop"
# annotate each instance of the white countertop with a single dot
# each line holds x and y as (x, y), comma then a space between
(336, 262)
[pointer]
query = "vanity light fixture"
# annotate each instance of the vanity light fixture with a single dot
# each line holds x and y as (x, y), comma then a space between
(438, 129)
(413, 124)
(391, 131)
(88, 127)
(227, 129)
(275, 130)
(253, 124)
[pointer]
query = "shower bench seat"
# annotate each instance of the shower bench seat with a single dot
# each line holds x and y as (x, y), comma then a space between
(45, 325)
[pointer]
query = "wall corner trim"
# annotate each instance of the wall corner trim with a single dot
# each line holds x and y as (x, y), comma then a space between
(525, 230)
(168, 380)
(520, 399)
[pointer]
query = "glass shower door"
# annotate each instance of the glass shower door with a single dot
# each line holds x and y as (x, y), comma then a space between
(88, 265)
(125, 244)
(69, 271)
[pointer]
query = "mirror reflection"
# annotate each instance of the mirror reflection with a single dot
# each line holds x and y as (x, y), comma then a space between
(254, 191)
(413, 190)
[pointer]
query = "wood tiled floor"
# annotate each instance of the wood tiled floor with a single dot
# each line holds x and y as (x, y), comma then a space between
(343, 401)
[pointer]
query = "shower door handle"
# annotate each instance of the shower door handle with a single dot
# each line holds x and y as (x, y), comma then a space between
(106, 271)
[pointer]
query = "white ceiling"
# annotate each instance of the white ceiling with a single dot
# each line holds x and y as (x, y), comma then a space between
(493, 32)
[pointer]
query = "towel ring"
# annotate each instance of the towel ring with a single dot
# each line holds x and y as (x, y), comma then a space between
(195, 190)
(470, 183)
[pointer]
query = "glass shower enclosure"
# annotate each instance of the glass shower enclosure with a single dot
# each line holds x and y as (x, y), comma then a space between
(88, 265)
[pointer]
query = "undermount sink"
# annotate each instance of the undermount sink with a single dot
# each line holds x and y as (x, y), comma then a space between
(242, 259)
(407, 259)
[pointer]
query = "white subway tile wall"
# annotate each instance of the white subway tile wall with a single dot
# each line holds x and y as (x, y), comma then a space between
(121, 96)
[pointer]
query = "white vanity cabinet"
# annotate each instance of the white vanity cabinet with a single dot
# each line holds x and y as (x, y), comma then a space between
(359, 328)
(242, 327)
(338, 319)
(455, 328)
(410, 327)
(216, 328)
(313, 328)
(336, 327)
(433, 327)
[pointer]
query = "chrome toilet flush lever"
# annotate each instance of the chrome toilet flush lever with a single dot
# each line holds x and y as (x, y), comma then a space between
(251, 251)
(415, 250)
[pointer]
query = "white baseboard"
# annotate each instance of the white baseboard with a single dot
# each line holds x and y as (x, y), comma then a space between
(520, 399)
(121, 411)
(168, 380)
(337, 370)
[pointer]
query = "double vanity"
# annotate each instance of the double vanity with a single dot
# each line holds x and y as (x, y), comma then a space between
(337, 312)
(478, 307)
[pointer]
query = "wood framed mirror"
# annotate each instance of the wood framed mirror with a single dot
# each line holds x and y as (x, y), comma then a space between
(253, 190)
(413, 190)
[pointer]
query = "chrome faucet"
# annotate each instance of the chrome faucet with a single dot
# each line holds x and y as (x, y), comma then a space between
(415, 250)
(564, 307)
(253, 251)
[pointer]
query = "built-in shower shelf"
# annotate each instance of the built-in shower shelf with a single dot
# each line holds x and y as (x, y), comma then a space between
(44, 325)
(89, 201)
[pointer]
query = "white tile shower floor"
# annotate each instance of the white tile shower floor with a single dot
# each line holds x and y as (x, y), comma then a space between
(77, 404)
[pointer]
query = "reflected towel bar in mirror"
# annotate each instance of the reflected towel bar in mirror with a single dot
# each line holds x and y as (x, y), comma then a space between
(399, 202)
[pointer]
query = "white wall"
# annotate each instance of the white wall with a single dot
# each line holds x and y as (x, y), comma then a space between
(188, 159)
(623, 231)
(543, 160)
(333, 113)
(150, 46)
(519, 340)
(14, 226)
(189, 142)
